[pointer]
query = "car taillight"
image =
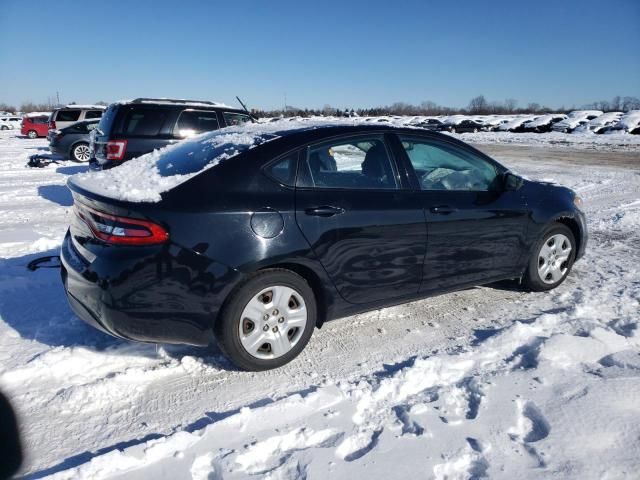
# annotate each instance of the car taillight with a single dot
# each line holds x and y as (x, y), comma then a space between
(118, 230)
(52, 125)
(116, 149)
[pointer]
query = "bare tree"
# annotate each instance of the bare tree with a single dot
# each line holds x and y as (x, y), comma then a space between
(510, 105)
(7, 108)
(478, 105)
(630, 103)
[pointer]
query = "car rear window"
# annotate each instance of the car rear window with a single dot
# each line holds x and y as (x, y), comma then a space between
(145, 122)
(68, 115)
(192, 122)
(106, 121)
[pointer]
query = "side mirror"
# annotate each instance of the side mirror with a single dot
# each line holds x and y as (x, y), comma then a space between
(512, 182)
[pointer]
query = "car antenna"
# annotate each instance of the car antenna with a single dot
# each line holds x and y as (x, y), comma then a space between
(245, 108)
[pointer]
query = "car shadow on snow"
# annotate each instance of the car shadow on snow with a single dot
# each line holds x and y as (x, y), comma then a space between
(59, 194)
(72, 170)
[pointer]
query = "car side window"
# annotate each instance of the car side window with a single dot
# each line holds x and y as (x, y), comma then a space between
(68, 115)
(192, 122)
(231, 118)
(361, 162)
(144, 121)
(284, 169)
(442, 166)
(89, 114)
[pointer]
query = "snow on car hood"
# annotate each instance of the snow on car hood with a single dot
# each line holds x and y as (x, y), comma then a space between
(145, 178)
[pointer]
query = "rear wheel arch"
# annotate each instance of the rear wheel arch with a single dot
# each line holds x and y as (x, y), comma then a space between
(305, 272)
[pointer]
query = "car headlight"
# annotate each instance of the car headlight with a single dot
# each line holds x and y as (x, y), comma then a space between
(577, 201)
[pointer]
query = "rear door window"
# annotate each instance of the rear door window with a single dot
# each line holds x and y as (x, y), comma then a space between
(192, 122)
(352, 163)
(93, 114)
(144, 122)
(68, 115)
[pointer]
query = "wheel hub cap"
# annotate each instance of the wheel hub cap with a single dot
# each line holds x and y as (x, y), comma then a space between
(553, 258)
(272, 322)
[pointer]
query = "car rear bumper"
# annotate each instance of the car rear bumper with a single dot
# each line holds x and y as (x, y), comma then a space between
(154, 311)
(57, 151)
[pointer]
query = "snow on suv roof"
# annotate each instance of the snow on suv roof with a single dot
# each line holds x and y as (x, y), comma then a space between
(84, 107)
(176, 101)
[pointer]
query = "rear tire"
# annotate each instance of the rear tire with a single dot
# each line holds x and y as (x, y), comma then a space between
(552, 259)
(32, 134)
(4, 127)
(267, 321)
(80, 152)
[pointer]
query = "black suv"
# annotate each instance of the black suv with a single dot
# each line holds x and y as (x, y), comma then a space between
(133, 128)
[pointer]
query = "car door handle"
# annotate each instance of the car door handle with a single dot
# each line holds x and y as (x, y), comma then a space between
(443, 210)
(324, 211)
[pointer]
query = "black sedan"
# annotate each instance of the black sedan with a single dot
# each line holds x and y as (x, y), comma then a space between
(72, 141)
(254, 236)
(466, 126)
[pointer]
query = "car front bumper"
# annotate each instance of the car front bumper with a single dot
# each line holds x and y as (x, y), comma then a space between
(584, 233)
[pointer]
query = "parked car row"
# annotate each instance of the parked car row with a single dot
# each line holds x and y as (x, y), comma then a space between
(125, 130)
(583, 121)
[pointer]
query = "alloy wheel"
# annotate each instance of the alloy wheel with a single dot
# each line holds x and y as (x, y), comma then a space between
(81, 153)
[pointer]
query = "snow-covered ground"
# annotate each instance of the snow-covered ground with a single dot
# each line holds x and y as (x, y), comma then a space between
(490, 381)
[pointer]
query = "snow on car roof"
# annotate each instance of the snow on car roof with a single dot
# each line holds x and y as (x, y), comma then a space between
(38, 114)
(584, 113)
(544, 120)
(605, 118)
(145, 178)
(73, 105)
(630, 119)
(173, 101)
(516, 122)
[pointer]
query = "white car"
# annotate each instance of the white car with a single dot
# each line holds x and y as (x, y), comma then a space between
(628, 123)
(575, 119)
(602, 122)
(10, 122)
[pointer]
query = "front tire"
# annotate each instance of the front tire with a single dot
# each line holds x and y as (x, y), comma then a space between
(80, 152)
(552, 259)
(267, 321)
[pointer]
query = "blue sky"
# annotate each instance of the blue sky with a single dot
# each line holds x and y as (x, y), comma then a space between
(342, 53)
